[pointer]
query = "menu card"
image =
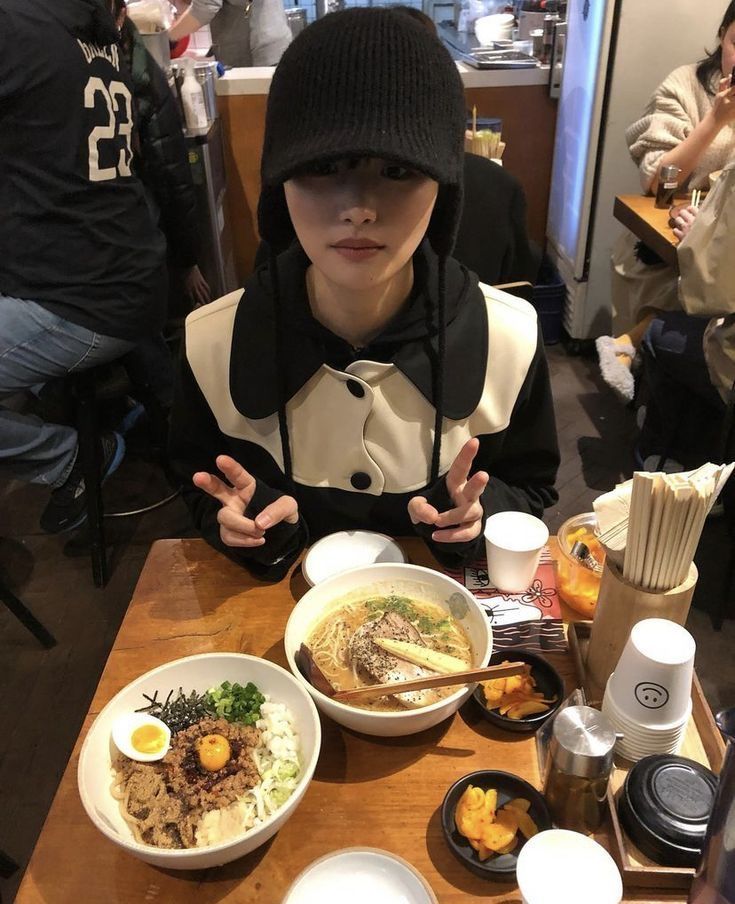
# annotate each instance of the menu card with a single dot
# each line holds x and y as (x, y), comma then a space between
(530, 619)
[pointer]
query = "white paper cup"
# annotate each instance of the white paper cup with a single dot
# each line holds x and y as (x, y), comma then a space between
(636, 729)
(637, 740)
(513, 543)
(652, 682)
(562, 867)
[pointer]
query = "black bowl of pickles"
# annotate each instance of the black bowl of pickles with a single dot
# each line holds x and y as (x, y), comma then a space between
(521, 703)
(487, 816)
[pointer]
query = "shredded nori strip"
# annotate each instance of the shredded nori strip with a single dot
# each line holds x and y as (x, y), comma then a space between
(181, 711)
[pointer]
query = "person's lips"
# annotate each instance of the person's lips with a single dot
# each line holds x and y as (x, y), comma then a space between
(357, 249)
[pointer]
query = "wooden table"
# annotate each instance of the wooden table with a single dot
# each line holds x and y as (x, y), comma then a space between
(376, 792)
(649, 223)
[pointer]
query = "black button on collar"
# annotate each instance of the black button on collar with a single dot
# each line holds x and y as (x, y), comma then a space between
(360, 480)
(357, 389)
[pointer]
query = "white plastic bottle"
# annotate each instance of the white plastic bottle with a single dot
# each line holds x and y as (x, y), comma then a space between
(192, 97)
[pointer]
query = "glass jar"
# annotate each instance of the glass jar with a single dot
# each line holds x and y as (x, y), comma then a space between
(579, 585)
(668, 182)
(580, 760)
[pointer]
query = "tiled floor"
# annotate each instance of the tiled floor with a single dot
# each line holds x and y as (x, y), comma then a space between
(45, 694)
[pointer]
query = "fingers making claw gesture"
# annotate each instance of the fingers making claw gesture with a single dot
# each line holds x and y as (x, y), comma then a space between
(463, 522)
(235, 528)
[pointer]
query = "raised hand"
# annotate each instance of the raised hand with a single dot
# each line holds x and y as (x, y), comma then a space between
(723, 107)
(463, 522)
(235, 528)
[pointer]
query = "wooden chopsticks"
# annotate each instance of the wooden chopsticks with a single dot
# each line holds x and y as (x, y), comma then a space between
(428, 681)
(665, 522)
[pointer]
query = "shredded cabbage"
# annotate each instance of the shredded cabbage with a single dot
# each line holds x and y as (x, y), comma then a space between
(277, 761)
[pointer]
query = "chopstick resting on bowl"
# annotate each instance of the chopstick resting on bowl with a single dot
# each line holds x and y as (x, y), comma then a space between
(428, 681)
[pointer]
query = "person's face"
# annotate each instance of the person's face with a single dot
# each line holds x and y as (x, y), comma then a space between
(360, 221)
(727, 39)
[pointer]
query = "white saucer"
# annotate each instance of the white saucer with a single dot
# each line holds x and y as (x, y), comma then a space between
(360, 876)
(347, 549)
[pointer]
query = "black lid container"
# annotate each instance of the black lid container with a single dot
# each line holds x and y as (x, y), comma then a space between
(664, 807)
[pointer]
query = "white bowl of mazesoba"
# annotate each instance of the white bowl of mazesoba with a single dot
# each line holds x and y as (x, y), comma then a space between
(238, 762)
(345, 621)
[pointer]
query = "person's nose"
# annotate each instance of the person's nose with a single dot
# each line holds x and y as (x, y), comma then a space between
(359, 205)
(359, 215)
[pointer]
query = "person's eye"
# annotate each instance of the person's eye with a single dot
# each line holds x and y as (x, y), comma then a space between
(397, 172)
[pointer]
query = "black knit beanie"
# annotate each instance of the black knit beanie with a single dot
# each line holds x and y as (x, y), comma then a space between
(365, 83)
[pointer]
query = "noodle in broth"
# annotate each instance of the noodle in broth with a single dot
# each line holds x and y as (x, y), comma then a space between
(329, 641)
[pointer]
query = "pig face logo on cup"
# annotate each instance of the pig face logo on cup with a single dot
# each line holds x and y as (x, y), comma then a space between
(651, 695)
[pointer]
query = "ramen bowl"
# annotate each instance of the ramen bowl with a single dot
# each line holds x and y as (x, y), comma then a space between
(423, 585)
(95, 774)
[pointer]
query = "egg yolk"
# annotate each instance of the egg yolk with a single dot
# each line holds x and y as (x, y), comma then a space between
(148, 739)
(213, 751)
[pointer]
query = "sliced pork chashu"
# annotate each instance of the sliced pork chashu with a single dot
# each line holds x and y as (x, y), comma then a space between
(383, 667)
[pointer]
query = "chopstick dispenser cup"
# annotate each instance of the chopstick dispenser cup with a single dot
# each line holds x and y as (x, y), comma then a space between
(620, 606)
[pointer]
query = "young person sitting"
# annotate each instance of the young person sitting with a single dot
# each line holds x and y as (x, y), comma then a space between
(363, 378)
(690, 354)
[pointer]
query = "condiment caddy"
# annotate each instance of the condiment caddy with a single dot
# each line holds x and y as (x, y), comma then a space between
(702, 743)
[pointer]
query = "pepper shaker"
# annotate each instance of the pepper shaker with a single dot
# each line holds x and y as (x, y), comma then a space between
(581, 757)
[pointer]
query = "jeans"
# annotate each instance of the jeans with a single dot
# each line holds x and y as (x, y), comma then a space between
(684, 411)
(35, 346)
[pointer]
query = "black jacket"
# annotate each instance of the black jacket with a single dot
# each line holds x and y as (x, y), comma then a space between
(360, 420)
(161, 154)
(492, 239)
(76, 231)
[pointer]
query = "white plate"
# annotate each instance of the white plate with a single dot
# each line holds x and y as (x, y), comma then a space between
(360, 876)
(347, 549)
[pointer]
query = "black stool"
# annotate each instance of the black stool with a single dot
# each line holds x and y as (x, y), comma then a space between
(90, 388)
(29, 621)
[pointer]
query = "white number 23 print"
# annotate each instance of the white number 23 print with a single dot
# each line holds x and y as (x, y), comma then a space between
(113, 96)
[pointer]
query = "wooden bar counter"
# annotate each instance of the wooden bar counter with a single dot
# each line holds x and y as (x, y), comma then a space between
(374, 792)
(648, 223)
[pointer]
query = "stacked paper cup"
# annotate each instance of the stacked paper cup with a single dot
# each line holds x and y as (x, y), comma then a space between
(648, 696)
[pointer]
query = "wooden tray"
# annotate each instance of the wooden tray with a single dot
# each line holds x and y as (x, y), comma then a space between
(702, 742)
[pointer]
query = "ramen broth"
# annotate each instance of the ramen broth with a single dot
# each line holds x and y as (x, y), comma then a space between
(329, 642)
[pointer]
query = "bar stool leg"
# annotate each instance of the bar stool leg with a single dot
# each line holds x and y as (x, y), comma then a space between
(7, 865)
(90, 454)
(26, 618)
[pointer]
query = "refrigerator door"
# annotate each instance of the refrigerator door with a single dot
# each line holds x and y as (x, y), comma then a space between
(578, 128)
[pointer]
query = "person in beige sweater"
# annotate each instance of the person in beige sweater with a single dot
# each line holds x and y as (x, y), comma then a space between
(690, 353)
(689, 122)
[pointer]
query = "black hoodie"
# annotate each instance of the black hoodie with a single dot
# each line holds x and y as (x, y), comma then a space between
(360, 420)
(76, 233)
